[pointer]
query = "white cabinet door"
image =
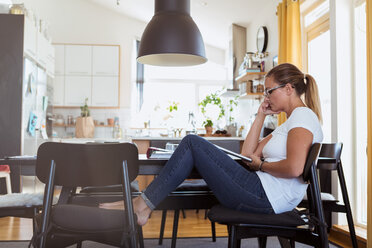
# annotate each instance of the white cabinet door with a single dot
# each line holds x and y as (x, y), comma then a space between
(105, 91)
(77, 88)
(60, 59)
(30, 39)
(58, 91)
(78, 60)
(105, 61)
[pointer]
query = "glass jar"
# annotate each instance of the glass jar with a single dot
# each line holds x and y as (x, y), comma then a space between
(17, 9)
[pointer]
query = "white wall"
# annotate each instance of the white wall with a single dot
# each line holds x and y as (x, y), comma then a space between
(266, 17)
(79, 21)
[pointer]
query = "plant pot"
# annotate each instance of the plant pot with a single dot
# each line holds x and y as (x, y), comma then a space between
(208, 130)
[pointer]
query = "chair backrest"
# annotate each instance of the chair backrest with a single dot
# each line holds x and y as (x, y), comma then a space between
(330, 150)
(311, 160)
(86, 164)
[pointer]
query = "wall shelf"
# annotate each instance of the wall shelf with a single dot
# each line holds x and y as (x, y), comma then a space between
(73, 125)
(252, 96)
(249, 76)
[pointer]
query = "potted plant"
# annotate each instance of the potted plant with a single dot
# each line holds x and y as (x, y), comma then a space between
(84, 124)
(211, 100)
(231, 126)
(208, 125)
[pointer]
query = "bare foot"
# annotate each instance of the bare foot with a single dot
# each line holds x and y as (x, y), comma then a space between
(112, 205)
(141, 210)
(139, 206)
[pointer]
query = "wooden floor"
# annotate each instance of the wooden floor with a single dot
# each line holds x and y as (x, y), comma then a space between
(194, 225)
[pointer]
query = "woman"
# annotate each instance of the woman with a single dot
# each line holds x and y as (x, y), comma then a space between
(273, 185)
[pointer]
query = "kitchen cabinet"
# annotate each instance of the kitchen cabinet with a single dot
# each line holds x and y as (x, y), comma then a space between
(30, 39)
(60, 59)
(105, 61)
(78, 60)
(77, 88)
(105, 91)
(94, 68)
(58, 90)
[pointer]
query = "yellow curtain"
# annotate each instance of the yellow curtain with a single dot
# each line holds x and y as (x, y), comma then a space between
(369, 123)
(289, 37)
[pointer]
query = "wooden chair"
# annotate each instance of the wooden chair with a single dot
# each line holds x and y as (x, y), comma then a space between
(81, 165)
(308, 228)
(12, 206)
(330, 203)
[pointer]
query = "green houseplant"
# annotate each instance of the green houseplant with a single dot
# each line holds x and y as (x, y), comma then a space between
(85, 109)
(211, 99)
(231, 126)
(208, 125)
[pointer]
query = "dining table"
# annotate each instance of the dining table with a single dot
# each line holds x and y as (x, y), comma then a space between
(26, 166)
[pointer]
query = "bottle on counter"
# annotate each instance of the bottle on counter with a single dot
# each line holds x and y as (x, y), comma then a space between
(116, 132)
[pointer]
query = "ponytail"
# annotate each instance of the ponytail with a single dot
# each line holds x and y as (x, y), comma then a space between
(312, 96)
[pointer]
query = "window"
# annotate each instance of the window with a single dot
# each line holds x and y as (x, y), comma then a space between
(361, 111)
(318, 59)
(185, 86)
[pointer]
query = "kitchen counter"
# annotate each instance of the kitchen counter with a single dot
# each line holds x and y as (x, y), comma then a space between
(180, 138)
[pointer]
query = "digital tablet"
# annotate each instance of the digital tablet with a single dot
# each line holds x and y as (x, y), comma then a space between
(234, 154)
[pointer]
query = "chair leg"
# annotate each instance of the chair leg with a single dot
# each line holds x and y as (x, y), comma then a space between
(238, 243)
(183, 213)
(79, 244)
(347, 205)
(140, 237)
(162, 226)
(213, 227)
(284, 243)
(175, 227)
(206, 214)
(262, 241)
(232, 237)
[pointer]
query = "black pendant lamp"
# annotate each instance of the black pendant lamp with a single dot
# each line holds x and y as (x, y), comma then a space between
(172, 38)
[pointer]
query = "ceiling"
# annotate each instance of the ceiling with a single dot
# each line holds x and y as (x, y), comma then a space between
(213, 17)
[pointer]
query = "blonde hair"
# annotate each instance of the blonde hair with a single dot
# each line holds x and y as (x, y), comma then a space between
(303, 84)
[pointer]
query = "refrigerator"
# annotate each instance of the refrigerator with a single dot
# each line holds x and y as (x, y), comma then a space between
(25, 93)
(35, 106)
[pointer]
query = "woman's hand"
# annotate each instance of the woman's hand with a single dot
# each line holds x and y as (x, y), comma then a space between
(265, 108)
(255, 164)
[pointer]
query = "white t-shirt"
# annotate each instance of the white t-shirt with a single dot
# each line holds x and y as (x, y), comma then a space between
(285, 194)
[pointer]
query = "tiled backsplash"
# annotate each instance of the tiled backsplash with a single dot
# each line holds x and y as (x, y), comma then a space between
(101, 115)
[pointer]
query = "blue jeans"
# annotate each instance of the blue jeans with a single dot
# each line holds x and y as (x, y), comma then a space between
(234, 186)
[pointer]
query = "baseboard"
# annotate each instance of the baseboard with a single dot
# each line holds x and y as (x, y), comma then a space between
(340, 236)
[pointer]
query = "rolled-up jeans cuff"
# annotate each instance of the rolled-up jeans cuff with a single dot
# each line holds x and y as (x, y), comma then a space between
(148, 202)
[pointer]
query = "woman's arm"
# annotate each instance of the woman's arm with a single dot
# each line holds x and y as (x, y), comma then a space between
(299, 141)
(251, 142)
(252, 145)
